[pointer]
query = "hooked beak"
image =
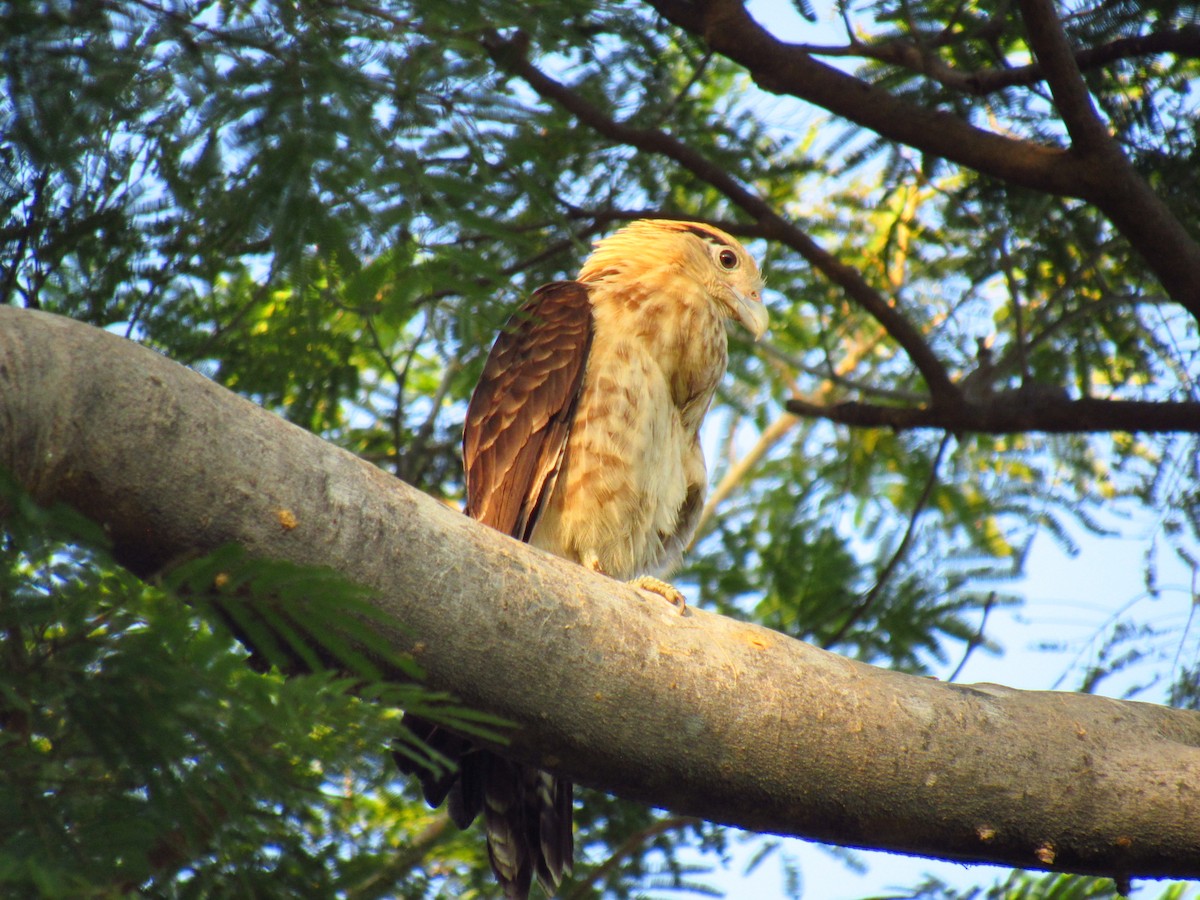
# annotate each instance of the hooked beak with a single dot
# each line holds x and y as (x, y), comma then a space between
(751, 313)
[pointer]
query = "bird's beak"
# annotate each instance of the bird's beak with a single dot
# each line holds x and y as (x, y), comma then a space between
(752, 314)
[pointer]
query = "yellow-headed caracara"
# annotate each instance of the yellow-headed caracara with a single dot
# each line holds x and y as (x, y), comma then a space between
(582, 439)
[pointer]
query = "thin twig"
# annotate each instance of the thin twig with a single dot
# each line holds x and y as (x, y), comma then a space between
(976, 640)
(894, 563)
(1183, 42)
(770, 436)
(630, 846)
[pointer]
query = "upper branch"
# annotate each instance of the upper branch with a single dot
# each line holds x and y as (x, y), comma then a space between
(1095, 170)
(1018, 411)
(1115, 186)
(1183, 42)
(511, 56)
(781, 67)
(923, 58)
(1057, 58)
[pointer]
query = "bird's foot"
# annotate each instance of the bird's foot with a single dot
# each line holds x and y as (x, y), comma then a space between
(667, 591)
(648, 583)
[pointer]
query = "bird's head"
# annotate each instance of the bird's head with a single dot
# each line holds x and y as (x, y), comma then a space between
(652, 249)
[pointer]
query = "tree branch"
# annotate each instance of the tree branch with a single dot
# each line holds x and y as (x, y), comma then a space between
(906, 54)
(697, 713)
(1184, 42)
(1105, 179)
(1054, 53)
(1118, 190)
(783, 68)
(1017, 411)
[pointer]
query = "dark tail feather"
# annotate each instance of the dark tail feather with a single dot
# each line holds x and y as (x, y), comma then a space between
(527, 812)
(556, 837)
(504, 819)
(435, 783)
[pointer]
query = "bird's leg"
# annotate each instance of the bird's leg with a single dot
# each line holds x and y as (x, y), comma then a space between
(649, 583)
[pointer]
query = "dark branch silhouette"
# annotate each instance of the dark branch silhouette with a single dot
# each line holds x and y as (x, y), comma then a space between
(1012, 412)
(921, 59)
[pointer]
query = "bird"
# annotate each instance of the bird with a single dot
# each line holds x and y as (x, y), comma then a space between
(582, 438)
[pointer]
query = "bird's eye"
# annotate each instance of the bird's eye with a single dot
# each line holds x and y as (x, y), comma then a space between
(728, 259)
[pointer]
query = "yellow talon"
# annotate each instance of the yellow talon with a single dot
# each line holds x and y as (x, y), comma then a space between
(667, 591)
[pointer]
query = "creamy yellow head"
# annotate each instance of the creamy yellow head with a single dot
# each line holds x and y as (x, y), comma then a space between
(717, 262)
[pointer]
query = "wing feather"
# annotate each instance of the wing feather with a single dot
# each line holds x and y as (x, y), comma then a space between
(514, 439)
(520, 415)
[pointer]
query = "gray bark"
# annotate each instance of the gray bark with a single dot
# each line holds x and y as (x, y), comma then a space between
(697, 713)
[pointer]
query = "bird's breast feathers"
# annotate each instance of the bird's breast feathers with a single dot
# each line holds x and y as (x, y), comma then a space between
(633, 477)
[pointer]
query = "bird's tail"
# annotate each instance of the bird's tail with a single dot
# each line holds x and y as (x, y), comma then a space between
(527, 813)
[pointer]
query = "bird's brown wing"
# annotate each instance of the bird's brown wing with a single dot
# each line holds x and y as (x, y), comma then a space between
(520, 415)
(515, 435)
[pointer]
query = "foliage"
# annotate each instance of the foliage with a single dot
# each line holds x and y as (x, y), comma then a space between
(331, 207)
(1027, 886)
(143, 752)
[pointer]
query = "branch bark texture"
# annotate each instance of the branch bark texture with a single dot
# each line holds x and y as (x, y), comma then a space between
(698, 713)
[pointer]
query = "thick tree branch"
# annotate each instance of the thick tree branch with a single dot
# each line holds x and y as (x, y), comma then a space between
(511, 56)
(1116, 187)
(1016, 411)
(784, 68)
(698, 713)
(917, 58)
(1056, 56)
(1106, 179)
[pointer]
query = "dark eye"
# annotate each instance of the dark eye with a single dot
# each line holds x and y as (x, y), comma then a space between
(728, 259)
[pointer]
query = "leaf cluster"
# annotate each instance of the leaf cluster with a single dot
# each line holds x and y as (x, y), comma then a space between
(144, 753)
